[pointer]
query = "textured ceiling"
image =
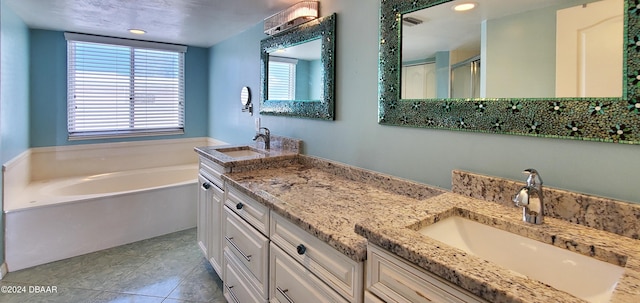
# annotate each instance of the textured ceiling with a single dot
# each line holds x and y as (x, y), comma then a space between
(192, 22)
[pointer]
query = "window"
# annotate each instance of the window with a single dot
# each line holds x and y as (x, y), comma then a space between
(123, 88)
(282, 78)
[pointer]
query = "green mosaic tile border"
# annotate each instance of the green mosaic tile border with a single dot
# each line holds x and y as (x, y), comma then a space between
(594, 119)
(322, 28)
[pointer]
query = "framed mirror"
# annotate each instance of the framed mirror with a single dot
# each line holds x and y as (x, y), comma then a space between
(505, 67)
(298, 71)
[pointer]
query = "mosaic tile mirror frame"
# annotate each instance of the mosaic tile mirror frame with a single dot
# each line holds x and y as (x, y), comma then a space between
(606, 119)
(324, 29)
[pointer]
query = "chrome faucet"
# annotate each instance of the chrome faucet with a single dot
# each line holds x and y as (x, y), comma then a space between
(266, 137)
(530, 197)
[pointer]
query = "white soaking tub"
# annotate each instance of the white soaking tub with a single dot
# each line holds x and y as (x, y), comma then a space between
(65, 217)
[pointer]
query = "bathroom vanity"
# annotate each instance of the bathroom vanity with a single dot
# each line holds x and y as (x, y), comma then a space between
(311, 228)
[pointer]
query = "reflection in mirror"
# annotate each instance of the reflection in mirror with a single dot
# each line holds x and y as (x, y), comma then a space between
(514, 49)
(295, 73)
(415, 89)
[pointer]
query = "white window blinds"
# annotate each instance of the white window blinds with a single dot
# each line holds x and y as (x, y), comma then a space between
(282, 79)
(121, 88)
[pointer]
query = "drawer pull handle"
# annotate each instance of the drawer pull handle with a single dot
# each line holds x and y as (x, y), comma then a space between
(206, 185)
(233, 295)
(239, 205)
(230, 240)
(301, 249)
(284, 294)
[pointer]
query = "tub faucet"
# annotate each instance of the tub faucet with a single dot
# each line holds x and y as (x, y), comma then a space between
(530, 197)
(266, 137)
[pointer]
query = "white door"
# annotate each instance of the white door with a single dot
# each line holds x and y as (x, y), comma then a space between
(419, 81)
(589, 47)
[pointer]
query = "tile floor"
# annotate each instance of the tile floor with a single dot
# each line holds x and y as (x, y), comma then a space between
(168, 269)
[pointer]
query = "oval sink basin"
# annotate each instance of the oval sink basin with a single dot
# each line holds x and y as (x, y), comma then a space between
(581, 276)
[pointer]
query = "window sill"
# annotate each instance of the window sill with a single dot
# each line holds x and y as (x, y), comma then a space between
(122, 134)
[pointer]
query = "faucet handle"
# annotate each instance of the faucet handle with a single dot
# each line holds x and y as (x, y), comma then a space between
(522, 197)
(533, 178)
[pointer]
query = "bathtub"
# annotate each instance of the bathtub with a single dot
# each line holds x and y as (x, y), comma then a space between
(64, 217)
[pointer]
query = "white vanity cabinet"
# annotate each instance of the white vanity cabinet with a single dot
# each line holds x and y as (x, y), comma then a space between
(393, 279)
(209, 220)
(246, 248)
(300, 260)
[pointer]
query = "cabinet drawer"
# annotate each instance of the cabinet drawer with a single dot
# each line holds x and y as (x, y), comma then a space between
(250, 247)
(212, 171)
(339, 271)
(290, 282)
(236, 288)
(395, 280)
(252, 211)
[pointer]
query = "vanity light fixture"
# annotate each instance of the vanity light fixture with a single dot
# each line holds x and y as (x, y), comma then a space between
(291, 17)
(463, 7)
(137, 31)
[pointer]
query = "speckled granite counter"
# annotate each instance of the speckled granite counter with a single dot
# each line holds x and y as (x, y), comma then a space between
(283, 151)
(327, 199)
(492, 282)
(345, 206)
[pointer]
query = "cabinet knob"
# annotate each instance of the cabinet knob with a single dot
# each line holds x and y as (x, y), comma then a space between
(206, 185)
(239, 205)
(301, 249)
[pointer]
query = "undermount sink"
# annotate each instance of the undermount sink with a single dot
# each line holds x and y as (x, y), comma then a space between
(581, 276)
(242, 152)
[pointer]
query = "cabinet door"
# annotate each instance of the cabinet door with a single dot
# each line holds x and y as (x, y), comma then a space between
(290, 282)
(203, 211)
(215, 200)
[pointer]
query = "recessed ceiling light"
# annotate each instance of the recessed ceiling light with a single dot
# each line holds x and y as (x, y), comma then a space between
(461, 7)
(137, 31)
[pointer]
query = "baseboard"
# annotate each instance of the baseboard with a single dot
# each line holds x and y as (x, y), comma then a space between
(3, 270)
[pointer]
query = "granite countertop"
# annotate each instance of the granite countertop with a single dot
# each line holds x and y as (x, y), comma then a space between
(282, 149)
(327, 199)
(346, 207)
(492, 282)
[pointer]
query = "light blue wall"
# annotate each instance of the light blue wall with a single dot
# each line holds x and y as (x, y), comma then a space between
(315, 80)
(425, 155)
(15, 85)
(443, 74)
(14, 93)
(308, 77)
(303, 70)
(48, 87)
(233, 64)
(521, 51)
